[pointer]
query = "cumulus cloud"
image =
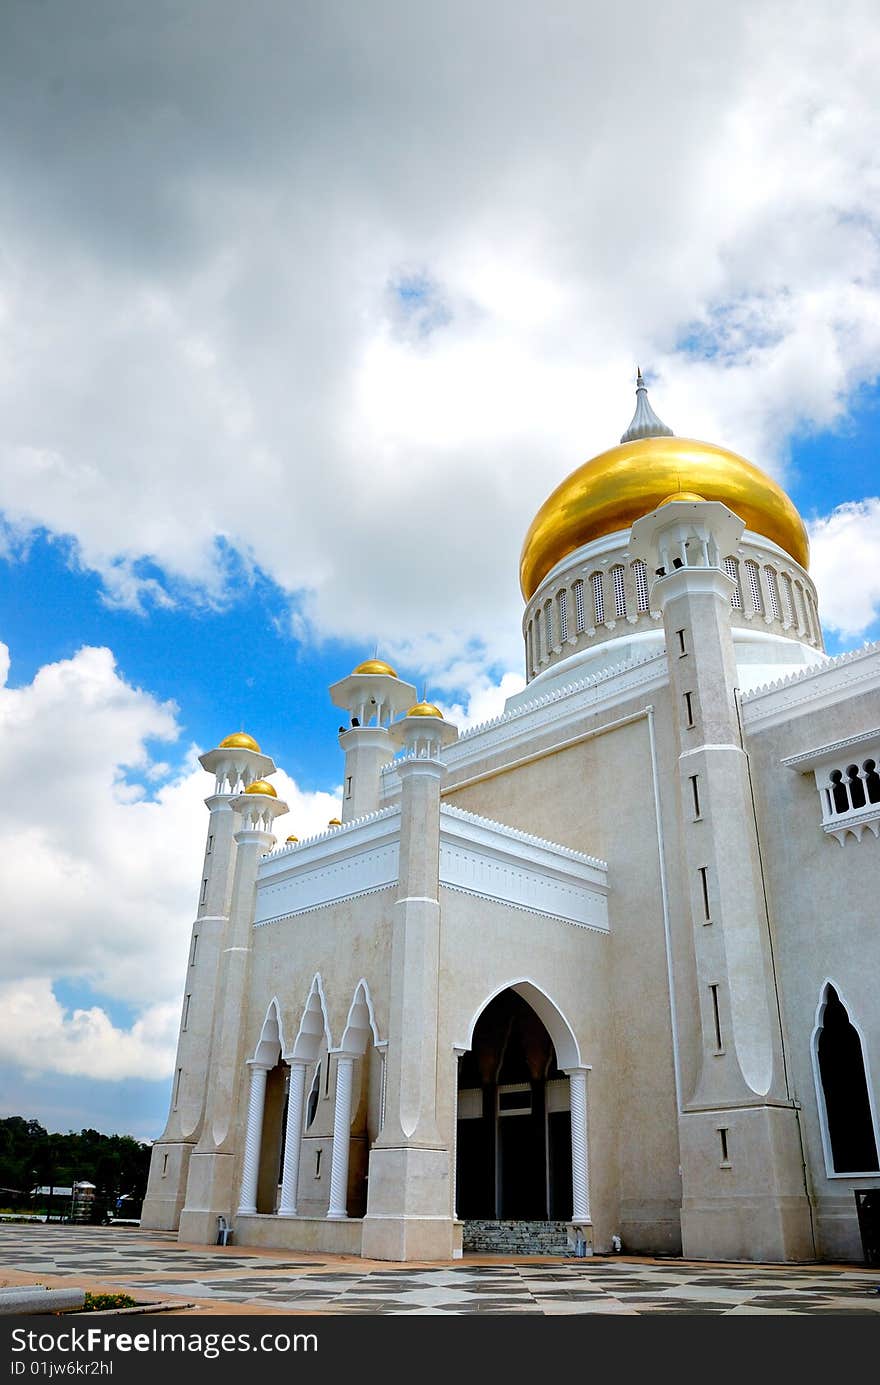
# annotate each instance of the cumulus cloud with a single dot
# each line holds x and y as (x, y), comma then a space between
(345, 291)
(845, 565)
(38, 1035)
(99, 878)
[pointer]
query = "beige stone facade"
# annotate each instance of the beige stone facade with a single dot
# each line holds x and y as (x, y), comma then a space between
(608, 961)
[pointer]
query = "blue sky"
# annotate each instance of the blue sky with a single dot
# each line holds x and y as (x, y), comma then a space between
(302, 316)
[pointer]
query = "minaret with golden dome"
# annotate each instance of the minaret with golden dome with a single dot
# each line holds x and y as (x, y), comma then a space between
(372, 695)
(587, 599)
(410, 1174)
(213, 1160)
(740, 1085)
(237, 763)
(239, 767)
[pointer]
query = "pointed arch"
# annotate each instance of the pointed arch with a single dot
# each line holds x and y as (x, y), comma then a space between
(270, 1044)
(848, 1122)
(314, 1026)
(360, 1025)
(568, 1054)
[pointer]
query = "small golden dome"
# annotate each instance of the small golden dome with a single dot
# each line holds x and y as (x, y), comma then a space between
(261, 786)
(682, 496)
(335, 822)
(375, 666)
(610, 492)
(292, 839)
(239, 740)
(425, 709)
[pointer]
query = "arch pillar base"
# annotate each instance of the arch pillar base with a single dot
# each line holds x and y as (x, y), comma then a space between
(751, 1204)
(408, 1207)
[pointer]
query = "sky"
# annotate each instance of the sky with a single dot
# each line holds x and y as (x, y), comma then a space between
(304, 310)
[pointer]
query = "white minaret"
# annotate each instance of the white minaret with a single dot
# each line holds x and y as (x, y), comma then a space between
(409, 1203)
(743, 1194)
(209, 1190)
(236, 763)
(372, 695)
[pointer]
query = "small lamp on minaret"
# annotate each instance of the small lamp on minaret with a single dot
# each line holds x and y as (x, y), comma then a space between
(423, 731)
(373, 695)
(236, 762)
(259, 806)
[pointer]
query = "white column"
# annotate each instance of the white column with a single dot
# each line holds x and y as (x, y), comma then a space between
(254, 1138)
(292, 1138)
(341, 1136)
(580, 1168)
(453, 1168)
(382, 1046)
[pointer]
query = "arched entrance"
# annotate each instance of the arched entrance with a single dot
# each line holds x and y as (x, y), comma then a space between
(514, 1150)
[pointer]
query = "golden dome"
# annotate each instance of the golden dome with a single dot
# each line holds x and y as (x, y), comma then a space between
(239, 740)
(611, 491)
(291, 839)
(425, 709)
(375, 666)
(261, 786)
(335, 822)
(680, 496)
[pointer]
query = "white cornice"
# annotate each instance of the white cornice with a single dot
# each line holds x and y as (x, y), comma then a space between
(822, 685)
(555, 711)
(822, 754)
(477, 856)
(492, 861)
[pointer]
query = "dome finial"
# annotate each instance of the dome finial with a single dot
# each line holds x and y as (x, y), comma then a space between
(645, 423)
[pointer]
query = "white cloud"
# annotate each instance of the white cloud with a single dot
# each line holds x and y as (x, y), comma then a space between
(99, 882)
(577, 188)
(39, 1036)
(845, 565)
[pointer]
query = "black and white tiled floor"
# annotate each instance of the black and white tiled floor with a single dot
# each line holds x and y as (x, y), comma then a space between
(150, 1265)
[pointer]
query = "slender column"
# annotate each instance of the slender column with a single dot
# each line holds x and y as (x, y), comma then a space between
(580, 1168)
(253, 1139)
(292, 1138)
(453, 1167)
(341, 1137)
(382, 1046)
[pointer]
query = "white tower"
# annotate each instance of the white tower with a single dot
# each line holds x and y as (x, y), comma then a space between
(372, 695)
(743, 1193)
(409, 1205)
(236, 763)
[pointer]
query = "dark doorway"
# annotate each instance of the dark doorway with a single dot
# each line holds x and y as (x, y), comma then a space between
(845, 1088)
(514, 1126)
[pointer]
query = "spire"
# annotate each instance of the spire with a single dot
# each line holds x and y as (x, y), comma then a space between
(645, 423)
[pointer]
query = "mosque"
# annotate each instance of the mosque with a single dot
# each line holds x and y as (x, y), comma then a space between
(599, 974)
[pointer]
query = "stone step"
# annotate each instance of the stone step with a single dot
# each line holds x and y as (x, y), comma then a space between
(517, 1237)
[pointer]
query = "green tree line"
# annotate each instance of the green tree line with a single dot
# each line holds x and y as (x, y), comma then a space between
(31, 1157)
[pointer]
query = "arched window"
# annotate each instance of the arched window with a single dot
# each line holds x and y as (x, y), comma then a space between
(580, 622)
(788, 615)
(548, 625)
(850, 1141)
(562, 615)
(598, 599)
(537, 637)
(314, 1094)
(641, 575)
(530, 657)
(773, 589)
(731, 567)
(754, 577)
(619, 592)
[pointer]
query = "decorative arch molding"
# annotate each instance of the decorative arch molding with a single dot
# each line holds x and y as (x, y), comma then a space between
(568, 1054)
(360, 1026)
(821, 1106)
(314, 1026)
(270, 1044)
